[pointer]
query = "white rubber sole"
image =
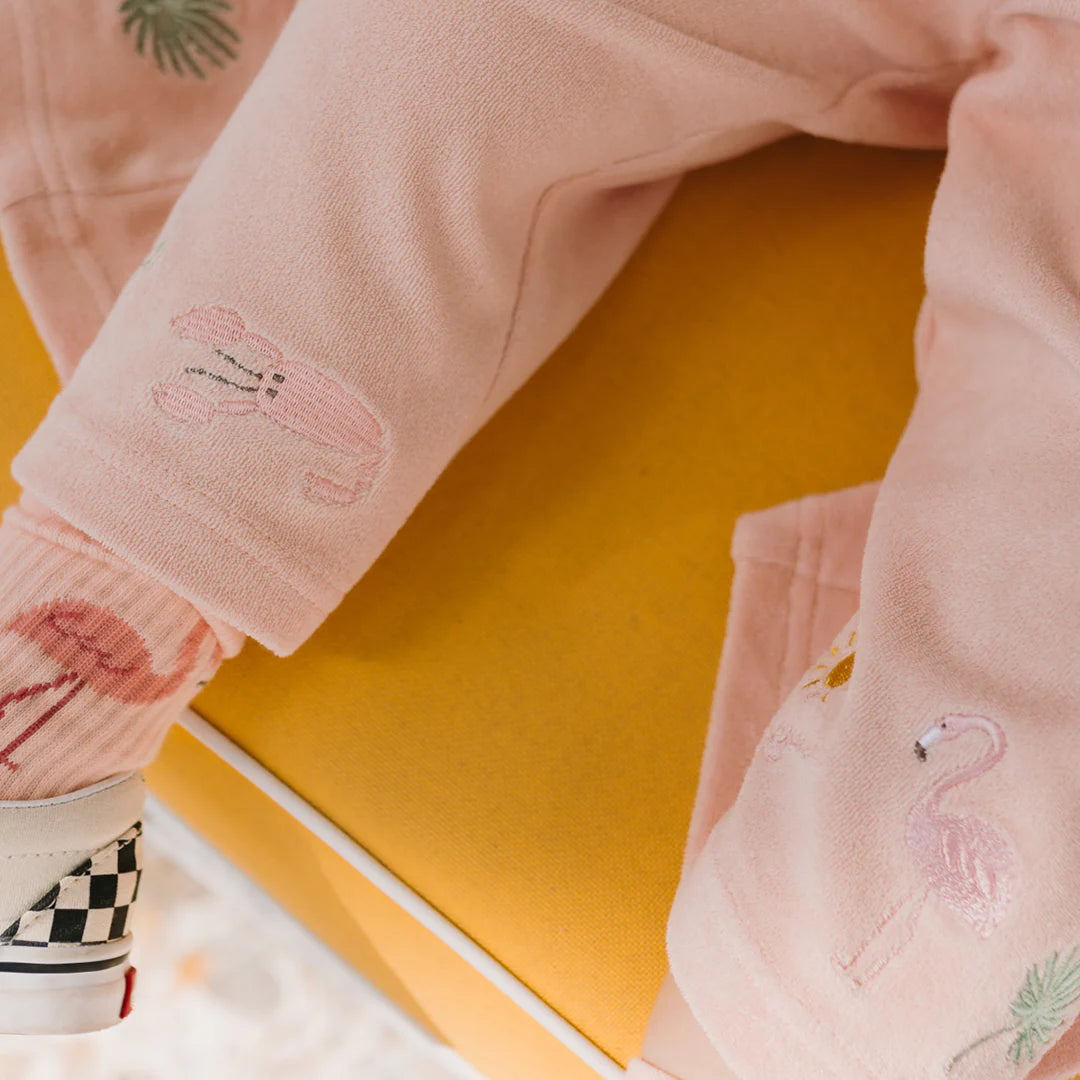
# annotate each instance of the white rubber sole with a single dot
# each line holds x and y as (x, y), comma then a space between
(64, 989)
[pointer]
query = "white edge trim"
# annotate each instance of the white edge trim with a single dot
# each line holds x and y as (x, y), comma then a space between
(395, 889)
(191, 851)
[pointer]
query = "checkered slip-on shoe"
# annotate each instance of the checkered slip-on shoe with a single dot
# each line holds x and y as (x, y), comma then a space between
(69, 876)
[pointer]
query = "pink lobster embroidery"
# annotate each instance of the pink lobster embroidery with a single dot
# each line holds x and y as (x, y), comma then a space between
(289, 393)
(96, 649)
(965, 861)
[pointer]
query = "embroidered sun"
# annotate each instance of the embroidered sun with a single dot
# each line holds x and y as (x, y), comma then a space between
(182, 34)
(836, 673)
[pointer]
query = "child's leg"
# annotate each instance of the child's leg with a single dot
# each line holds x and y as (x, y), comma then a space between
(899, 898)
(413, 205)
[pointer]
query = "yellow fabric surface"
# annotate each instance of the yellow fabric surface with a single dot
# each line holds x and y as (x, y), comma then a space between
(509, 710)
(29, 380)
(409, 964)
(269, 845)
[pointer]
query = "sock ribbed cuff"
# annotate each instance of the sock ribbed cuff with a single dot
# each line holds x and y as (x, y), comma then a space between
(96, 658)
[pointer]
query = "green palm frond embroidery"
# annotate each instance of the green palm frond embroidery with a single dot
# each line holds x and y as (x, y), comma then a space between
(1039, 1008)
(182, 35)
(1042, 1003)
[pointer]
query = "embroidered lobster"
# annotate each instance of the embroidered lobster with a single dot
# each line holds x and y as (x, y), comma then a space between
(291, 394)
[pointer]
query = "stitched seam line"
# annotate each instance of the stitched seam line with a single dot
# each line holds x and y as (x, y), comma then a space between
(808, 624)
(545, 195)
(31, 532)
(46, 854)
(764, 561)
(792, 992)
(537, 214)
(712, 46)
(43, 130)
(60, 193)
(273, 571)
(65, 800)
(781, 667)
(781, 674)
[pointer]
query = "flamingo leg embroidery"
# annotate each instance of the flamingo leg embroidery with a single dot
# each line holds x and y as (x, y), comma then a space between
(964, 861)
(32, 691)
(887, 940)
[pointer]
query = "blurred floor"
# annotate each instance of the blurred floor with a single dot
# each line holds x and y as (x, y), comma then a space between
(222, 993)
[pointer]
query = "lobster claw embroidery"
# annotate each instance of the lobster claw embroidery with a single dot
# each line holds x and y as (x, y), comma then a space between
(291, 394)
(183, 403)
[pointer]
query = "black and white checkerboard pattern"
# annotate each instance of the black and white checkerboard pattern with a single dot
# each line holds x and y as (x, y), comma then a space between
(89, 906)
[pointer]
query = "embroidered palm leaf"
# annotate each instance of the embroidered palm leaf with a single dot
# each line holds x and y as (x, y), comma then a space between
(181, 34)
(1042, 1003)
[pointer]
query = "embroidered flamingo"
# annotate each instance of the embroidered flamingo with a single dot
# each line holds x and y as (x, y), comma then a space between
(965, 861)
(98, 650)
(293, 395)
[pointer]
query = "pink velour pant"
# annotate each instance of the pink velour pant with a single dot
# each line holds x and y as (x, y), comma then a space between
(408, 209)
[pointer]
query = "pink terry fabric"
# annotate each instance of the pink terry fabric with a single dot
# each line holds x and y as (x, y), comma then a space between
(804, 559)
(95, 146)
(796, 584)
(384, 243)
(414, 203)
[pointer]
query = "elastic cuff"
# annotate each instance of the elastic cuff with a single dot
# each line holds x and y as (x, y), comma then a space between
(758, 1028)
(33, 518)
(178, 536)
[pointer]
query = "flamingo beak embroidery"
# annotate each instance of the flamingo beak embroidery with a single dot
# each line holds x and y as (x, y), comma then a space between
(927, 739)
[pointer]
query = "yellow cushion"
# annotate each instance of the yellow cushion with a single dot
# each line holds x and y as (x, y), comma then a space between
(508, 711)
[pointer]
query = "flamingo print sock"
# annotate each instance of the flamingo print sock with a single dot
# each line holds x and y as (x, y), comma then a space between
(96, 659)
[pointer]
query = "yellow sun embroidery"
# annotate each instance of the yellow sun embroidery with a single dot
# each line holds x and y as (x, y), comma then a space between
(836, 674)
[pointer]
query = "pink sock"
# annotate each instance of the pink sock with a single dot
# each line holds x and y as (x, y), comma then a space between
(96, 659)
